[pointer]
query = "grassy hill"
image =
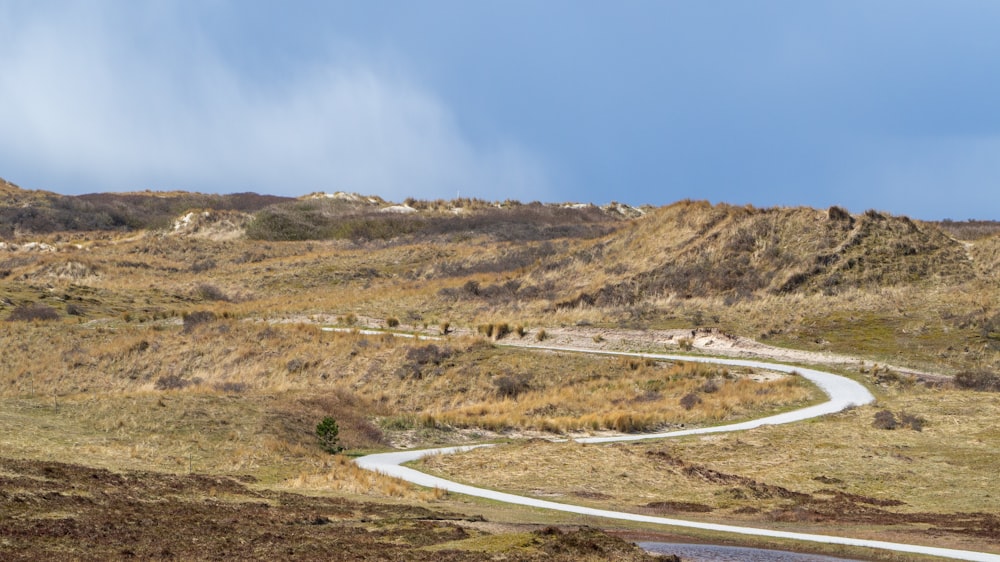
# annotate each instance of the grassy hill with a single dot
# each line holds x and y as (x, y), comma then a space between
(172, 332)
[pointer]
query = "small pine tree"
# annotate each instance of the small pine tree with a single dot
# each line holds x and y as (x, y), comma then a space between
(329, 435)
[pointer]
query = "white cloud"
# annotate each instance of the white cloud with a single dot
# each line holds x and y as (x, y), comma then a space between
(87, 99)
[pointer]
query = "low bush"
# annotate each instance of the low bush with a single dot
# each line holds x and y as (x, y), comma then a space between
(230, 387)
(884, 419)
(500, 330)
(982, 380)
(690, 400)
(709, 386)
(200, 266)
(207, 292)
(33, 311)
(174, 382)
(421, 359)
(194, 319)
(512, 386)
(914, 422)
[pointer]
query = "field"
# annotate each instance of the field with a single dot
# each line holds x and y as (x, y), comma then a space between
(184, 355)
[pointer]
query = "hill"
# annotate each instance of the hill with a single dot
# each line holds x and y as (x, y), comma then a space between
(177, 332)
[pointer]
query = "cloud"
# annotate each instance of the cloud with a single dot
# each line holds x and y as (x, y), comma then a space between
(93, 100)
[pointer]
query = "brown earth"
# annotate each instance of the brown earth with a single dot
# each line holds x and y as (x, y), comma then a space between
(56, 511)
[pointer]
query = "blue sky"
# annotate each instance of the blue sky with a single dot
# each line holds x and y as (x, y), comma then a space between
(891, 105)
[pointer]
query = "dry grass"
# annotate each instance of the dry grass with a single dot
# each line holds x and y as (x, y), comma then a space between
(768, 474)
(342, 475)
(631, 399)
(244, 391)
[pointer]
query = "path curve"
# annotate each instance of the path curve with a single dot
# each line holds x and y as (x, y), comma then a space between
(842, 392)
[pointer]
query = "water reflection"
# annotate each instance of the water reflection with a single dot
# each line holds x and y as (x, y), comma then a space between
(716, 553)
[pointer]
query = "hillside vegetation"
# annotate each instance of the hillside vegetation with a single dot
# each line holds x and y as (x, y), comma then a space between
(180, 332)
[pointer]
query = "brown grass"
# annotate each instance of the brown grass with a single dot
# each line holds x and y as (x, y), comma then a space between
(84, 386)
(900, 477)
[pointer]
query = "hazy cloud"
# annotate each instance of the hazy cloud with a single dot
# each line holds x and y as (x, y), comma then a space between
(89, 102)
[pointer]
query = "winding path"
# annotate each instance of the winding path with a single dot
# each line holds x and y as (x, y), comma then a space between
(842, 393)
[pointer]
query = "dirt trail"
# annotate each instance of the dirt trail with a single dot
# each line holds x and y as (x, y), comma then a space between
(703, 341)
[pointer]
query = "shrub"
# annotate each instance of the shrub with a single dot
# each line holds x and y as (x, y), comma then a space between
(500, 330)
(916, 423)
(709, 386)
(836, 213)
(207, 292)
(884, 419)
(978, 380)
(174, 382)
(687, 344)
(34, 311)
(328, 434)
(690, 400)
(194, 319)
(541, 335)
(445, 328)
(203, 265)
(520, 331)
(392, 322)
(421, 358)
(428, 354)
(231, 387)
(512, 386)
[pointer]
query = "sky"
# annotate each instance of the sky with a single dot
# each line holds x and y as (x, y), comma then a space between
(891, 105)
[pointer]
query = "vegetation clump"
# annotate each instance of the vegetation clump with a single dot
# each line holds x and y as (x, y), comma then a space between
(194, 319)
(328, 434)
(32, 312)
(885, 419)
(982, 380)
(512, 386)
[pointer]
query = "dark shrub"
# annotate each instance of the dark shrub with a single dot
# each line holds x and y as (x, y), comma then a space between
(428, 354)
(174, 382)
(208, 292)
(500, 330)
(978, 380)
(836, 213)
(690, 400)
(34, 311)
(709, 386)
(231, 387)
(884, 419)
(512, 386)
(203, 265)
(194, 319)
(916, 423)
